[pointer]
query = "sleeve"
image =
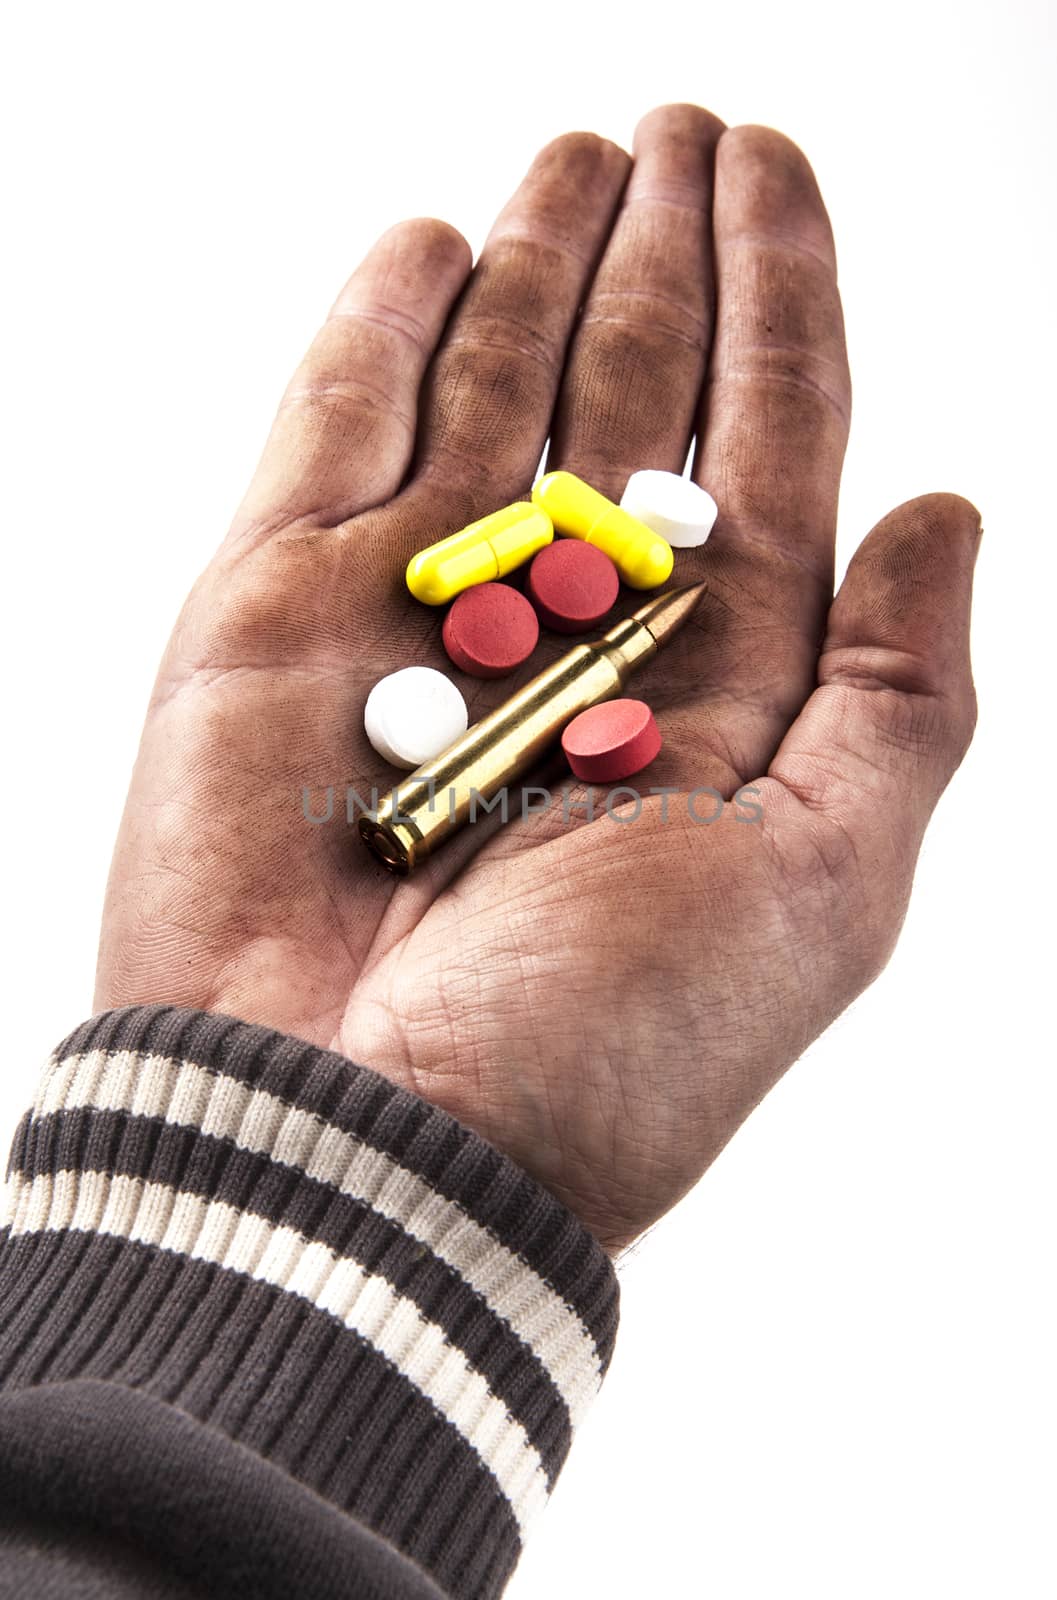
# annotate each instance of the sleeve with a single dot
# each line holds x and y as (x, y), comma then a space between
(273, 1326)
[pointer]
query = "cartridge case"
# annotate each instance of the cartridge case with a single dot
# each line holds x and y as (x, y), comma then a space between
(437, 799)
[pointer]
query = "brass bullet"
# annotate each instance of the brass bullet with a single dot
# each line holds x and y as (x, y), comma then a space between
(436, 799)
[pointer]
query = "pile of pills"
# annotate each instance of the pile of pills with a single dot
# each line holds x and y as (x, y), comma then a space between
(571, 585)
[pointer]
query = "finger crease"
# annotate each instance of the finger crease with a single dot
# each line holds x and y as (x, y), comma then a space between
(401, 323)
(666, 197)
(872, 668)
(794, 378)
(359, 394)
(775, 239)
(655, 297)
(508, 347)
(696, 341)
(763, 539)
(547, 240)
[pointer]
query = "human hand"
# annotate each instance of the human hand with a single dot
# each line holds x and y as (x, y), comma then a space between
(605, 1001)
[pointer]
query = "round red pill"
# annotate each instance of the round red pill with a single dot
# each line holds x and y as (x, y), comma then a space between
(611, 741)
(572, 585)
(490, 630)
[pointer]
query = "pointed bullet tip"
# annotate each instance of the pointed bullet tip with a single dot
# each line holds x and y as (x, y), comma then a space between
(667, 612)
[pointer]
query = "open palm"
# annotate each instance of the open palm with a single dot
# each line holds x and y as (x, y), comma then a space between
(605, 1000)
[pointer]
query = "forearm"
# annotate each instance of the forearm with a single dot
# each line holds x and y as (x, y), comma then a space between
(266, 1319)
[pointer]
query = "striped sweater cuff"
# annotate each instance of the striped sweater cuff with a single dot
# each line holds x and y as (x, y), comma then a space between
(289, 1248)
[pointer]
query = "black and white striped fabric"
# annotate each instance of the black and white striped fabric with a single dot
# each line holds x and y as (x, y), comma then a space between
(295, 1253)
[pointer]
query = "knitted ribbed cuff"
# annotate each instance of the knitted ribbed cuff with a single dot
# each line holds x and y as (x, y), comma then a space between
(291, 1249)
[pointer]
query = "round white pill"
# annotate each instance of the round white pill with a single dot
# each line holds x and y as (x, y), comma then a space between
(414, 714)
(673, 506)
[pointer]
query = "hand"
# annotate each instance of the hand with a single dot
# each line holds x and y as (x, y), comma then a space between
(605, 1001)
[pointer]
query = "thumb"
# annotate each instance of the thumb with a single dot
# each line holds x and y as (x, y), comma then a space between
(857, 776)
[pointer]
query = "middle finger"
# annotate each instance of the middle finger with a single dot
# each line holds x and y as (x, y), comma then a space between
(637, 362)
(491, 391)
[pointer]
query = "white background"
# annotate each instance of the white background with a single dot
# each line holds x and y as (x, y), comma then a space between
(834, 1371)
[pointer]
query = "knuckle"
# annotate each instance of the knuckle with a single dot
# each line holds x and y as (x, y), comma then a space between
(886, 670)
(796, 381)
(487, 331)
(367, 334)
(350, 411)
(651, 317)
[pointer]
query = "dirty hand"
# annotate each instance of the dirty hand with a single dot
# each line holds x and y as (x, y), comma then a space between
(607, 1000)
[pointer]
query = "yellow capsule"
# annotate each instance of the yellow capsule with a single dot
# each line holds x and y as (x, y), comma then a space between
(485, 550)
(641, 556)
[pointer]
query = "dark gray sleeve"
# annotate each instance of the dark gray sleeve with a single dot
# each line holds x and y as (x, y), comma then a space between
(271, 1325)
(110, 1493)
